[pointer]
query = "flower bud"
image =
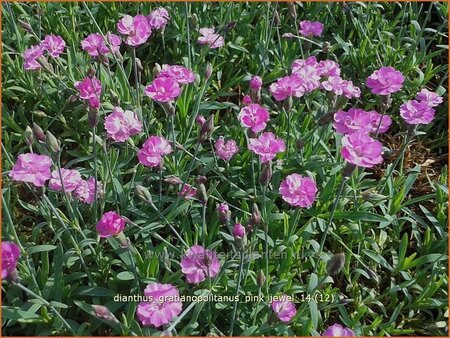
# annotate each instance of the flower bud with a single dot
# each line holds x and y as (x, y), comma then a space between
(29, 137)
(348, 170)
(72, 98)
(52, 143)
(288, 36)
(93, 113)
(200, 120)
(372, 196)
(256, 214)
(229, 26)
(201, 194)
(387, 101)
(26, 26)
(240, 238)
(276, 18)
(200, 179)
(206, 129)
(261, 278)
(256, 82)
(143, 194)
(287, 103)
(139, 65)
(168, 108)
(325, 47)
(193, 20)
(208, 71)
(326, 119)
(247, 100)
(38, 133)
(91, 73)
(173, 180)
(300, 144)
(104, 313)
(266, 174)
(123, 240)
(292, 10)
(224, 213)
(156, 70)
(335, 264)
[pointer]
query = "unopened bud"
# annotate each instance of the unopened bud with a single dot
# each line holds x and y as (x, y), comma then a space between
(143, 194)
(387, 101)
(168, 108)
(201, 194)
(124, 241)
(292, 10)
(173, 180)
(156, 70)
(200, 179)
(206, 129)
(44, 64)
(29, 137)
(229, 26)
(256, 214)
(247, 100)
(91, 73)
(266, 174)
(240, 237)
(261, 278)
(193, 20)
(26, 26)
(38, 133)
(325, 47)
(200, 119)
(287, 103)
(335, 264)
(104, 313)
(139, 65)
(52, 143)
(224, 213)
(288, 36)
(92, 114)
(300, 144)
(72, 98)
(348, 170)
(276, 18)
(372, 196)
(114, 98)
(208, 71)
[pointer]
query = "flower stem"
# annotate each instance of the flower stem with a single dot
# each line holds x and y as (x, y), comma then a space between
(136, 81)
(266, 243)
(172, 127)
(241, 268)
(94, 149)
(204, 224)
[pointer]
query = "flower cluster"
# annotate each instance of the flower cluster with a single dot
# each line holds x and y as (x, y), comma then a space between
(421, 110)
(96, 45)
(152, 151)
(53, 45)
(120, 124)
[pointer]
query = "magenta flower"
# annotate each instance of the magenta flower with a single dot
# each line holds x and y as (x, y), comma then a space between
(337, 330)
(70, 178)
(256, 82)
(327, 68)
(266, 146)
(223, 210)
(349, 122)
(226, 150)
(431, 98)
(188, 192)
(199, 263)
(120, 125)
(254, 117)
(158, 18)
(111, 224)
(10, 256)
(311, 28)
(85, 192)
(200, 119)
(283, 308)
(385, 81)
(136, 29)
(30, 57)
(238, 231)
(361, 150)
(209, 37)
(246, 100)
(417, 112)
(95, 45)
(89, 88)
(152, 151)
(54, 45)
(32, 168)
(179, 73)
(163, 89)
(298, 191)
(162, 306)
(287, 86)
(386, 122)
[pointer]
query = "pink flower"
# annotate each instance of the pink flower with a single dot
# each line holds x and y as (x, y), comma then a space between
(246, 100)
(256, 82)
(136, 29)
(54, 45)
(32, 168)
(200, 119)
(361, 150)
(120, 125)
(158, 18)
(254, 117)
(348, 122)
(199, 263)
(283, 308)
(188, 192)
(337, 330)
(111, 224)
(30, 56)
(226, 150)
(152, 151)
(70, 178)
(431, 98)
(179, 73)
(85, 192)
(334, 84)
(163, 305)
(163, 89)
(223, 210)
(349, 90)
(385, 81)
(327, 68)
(95, 45)
(298, 191)
(311, 28)
(89, 88)
(417, 112)
(10, 256)
(266, 146)
(300, 63)
(309, 77)
(287, 86)
(238, 231)
(210, 38)
(386, 122)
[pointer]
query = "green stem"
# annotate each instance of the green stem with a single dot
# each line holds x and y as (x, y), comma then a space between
(241, 268)
(174, 143)
(266, 242)
(204, 224)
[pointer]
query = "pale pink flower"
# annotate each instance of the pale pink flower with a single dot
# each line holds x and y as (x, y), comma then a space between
(417, 112)
(199, 263)
(111, 224)
(254, 117)
(209, 37)
(287, 86)
(188, 192)
(85, 192)
(89, 88)
(120, 125)
(136, 29)
(30, 56)
(283, 308)
(246, 100)
(158, 18)
(351, 121)
(70, 178)
(32, 168)
(327, 68)
(152, 151)
(309, 76)
(386, 122)
(337, 330)
(311, 28)
(256, 82)
(266, 146)
(385, 81)
(179, 73)
(95, 45)
(226, 150)
(349, 90)
(334, 84)
(431, 98)
(298, 191)
(10, 256)
(54, 44)
(361, 150)
(301, 63)
(163, 89)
